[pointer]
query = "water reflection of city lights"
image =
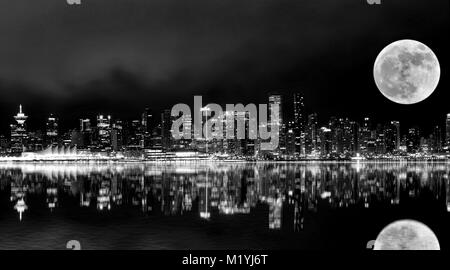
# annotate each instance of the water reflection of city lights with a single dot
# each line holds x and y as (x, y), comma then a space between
(223, 189)
(20, 207)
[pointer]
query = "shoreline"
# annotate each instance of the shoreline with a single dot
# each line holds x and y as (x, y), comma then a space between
(82, 162)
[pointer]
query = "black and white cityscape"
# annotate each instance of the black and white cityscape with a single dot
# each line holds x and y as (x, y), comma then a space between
(219, 125)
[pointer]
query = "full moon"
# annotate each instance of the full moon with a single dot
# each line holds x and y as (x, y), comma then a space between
(406, 235)
(406, 71)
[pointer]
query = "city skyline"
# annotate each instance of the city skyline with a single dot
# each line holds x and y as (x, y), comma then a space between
(300, 135)
(38, 122)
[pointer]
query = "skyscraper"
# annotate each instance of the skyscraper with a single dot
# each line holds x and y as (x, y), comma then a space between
(355, 137)
(392, 136)
(347, 137)
(186, 140)
(229, 124)
(85, 125)
(147, 126)
(117, 135)
(86, 133)
(380, 140)
(299, 122)
(413, 140)
(276, 99)
(447, 131)
(436, 140)
(396, 127)
(277, 120)
(290, 142)
(19, 134)
(104, 130)
(4, 144)
(365, 135)
(166, 126)
(325, 141)
(311, 134)
(341, 135)
(51, 132)
(147, 120)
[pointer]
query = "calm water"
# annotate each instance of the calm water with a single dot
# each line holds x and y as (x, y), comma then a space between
(217, 205)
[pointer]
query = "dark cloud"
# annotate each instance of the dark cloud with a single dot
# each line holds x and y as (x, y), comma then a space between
(119, 56)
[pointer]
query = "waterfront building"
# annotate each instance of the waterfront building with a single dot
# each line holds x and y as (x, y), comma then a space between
(325, 141)
(447, 130)
(104, 130)
(19, 135)
(436, 140)
(311, 134)
(299, 123)
(51, 132)
(413, 140)
(166, 126)
(276, 121)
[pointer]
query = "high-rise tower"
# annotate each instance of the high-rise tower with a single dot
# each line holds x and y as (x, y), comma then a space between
(19, 134)
(447, 130)
(51, 131)
(299, 122)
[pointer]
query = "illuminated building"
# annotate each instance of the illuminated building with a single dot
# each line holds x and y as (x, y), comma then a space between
(413, 140)
(447, 130)
(51, 132)
(397, 136)
(277, 120)
(244, 146)
(19, 134)
(35, 141)
(58, 153)
(147, 120)
(325, 141)
(166, 126)
(104, 130)
(185, 142)
(299, 122)
(147, 126)
(311, 134)
(134, 135)
(436, 140)
(230, 144)
(342, 135)
(86, 134)
(117, 135)
(290, 142)
(380, 140)
(76, 138)
(354, 126)
(85, 125)
(4, 144)
(366, 136)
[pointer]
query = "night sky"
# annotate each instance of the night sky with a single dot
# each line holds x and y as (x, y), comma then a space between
(119, 56)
